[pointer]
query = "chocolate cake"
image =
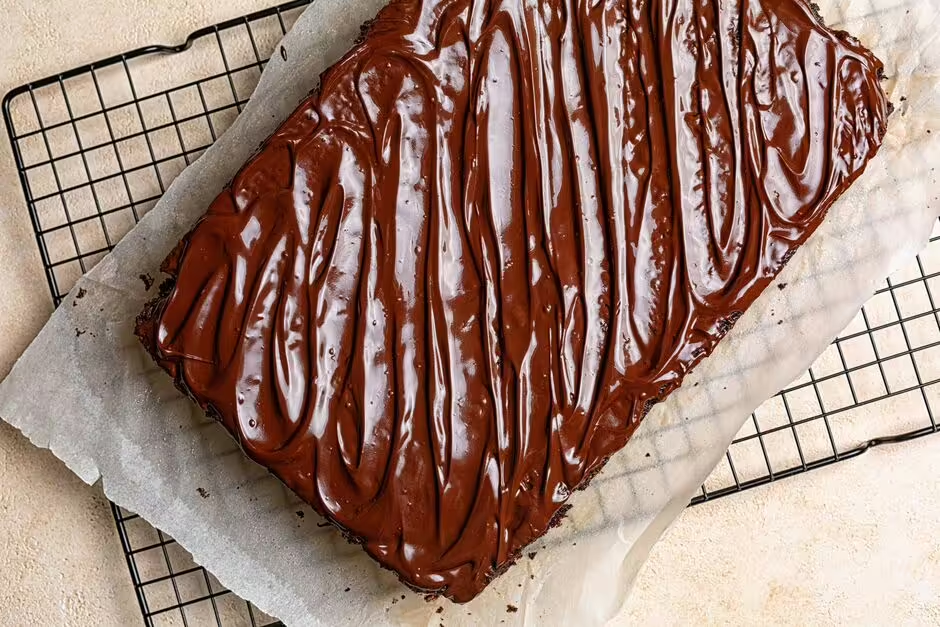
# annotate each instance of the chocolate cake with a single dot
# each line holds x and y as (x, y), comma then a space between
(456, 279)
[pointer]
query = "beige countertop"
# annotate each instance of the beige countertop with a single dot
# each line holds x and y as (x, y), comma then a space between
(855, 542)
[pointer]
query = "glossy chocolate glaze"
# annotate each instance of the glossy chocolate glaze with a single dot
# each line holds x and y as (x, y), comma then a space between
(455, 280)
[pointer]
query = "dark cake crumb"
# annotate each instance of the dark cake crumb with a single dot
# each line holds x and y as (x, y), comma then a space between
(512, 609)
(203, 492)
(148, 281)
(815, 9)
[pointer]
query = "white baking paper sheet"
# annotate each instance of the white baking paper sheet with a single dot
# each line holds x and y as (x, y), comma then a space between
(98, 403)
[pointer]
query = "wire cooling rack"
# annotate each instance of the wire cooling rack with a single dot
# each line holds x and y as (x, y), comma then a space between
(96, 147)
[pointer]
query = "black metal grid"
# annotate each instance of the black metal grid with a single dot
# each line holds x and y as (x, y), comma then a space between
(96, 147)
(888, 356)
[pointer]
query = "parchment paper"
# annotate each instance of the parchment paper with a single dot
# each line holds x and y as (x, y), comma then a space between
(99, 404)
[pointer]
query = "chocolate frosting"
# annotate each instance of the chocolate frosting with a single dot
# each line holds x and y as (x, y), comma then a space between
(455, 280)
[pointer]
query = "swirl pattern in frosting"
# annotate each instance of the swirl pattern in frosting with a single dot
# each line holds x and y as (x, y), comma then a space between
(452, 284)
